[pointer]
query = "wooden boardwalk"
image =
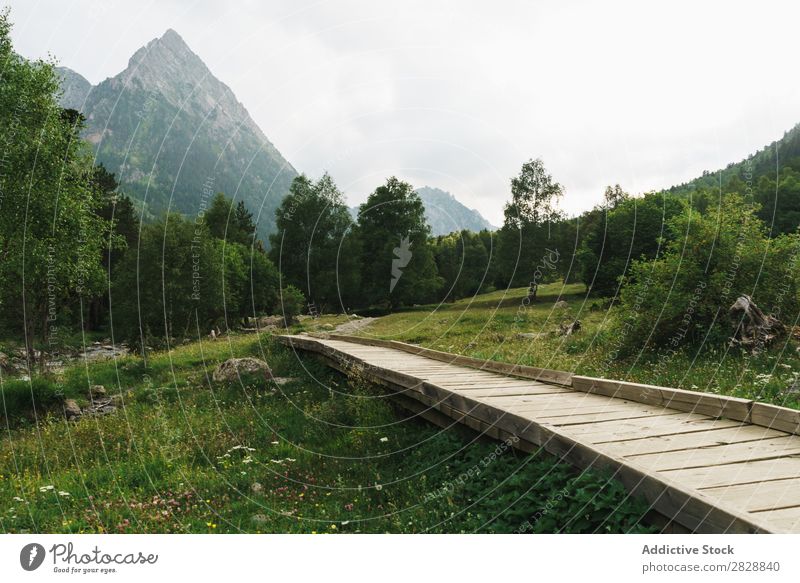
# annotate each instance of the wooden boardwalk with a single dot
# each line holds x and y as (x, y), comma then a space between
(708, 462)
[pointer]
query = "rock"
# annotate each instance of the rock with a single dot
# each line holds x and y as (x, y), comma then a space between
(256, 488)
(71, 409)
(234, 368)
(569, 328)
(5, 363)
(283, 380)
(265, 322)
(327, 327)
(97, 391)
(561, 305)
(101, 407)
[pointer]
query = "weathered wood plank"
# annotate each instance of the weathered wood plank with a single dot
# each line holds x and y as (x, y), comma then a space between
(690, 441)
(556, 376)
(682, 400)
(759, 496)
(785, 519)
(741, 473)
(604, 432)
(722, 454)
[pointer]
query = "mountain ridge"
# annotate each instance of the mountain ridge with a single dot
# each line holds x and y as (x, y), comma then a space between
(445, 214)
(170, 131)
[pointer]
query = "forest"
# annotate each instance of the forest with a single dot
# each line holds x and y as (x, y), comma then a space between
(108, 265)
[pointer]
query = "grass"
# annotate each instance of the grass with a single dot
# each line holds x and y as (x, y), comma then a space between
(319, 454)
(488, 326)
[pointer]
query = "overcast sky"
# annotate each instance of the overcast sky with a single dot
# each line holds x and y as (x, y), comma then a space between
(458, 94)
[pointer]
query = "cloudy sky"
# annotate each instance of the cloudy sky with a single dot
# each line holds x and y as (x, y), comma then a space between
(457, 94)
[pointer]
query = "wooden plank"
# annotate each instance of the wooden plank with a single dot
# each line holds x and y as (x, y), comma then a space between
(759, 496)
(741, 473)
(785, 519)
(774, 417)
(500, 392)
(689, 441)
(557, 411)
(604, 432)
(556, 376)
(690, 507)
(583, 418)
(669, 497)
(722, 454)
(682, 400)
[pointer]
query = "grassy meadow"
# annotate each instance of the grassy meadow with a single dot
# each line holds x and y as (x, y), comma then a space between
(320, 453)
(489, 326)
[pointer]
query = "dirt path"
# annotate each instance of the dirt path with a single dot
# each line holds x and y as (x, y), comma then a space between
(353, 326)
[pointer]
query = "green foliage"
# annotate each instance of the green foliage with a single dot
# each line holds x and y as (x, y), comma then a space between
(462, 260)
(768, 177)
(314, 247)
(534, 197)
(711, 259)
(28, 399)
(614, 236)
(534, 236)
(228, 222)
(50, 239)
(291, 302)
(180, 281)
(325, 453)
(397, 264)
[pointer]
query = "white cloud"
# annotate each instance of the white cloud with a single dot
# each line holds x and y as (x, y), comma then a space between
(459, 94)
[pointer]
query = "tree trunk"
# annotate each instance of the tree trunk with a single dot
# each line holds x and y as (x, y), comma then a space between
(754, 330)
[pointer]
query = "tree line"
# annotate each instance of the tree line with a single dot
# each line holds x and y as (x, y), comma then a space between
(75, 252)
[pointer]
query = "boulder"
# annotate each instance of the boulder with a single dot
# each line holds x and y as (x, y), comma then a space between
(266, 322)
(569, 328)
(97, 391)
(561, 305)
(234, 368)
(71, 409)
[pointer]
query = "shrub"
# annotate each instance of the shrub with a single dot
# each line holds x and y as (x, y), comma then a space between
(291, 303)
(684, 296)
(27, 398)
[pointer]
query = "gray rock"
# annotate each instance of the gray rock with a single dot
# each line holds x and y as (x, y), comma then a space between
(283, 380)
(97, 391)
(561, 305)
(71, 409)
(234, 368)
(256, 488)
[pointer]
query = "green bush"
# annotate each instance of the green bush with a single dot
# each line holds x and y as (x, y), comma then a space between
(683, 297)
(27, 398)
(291, 303)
